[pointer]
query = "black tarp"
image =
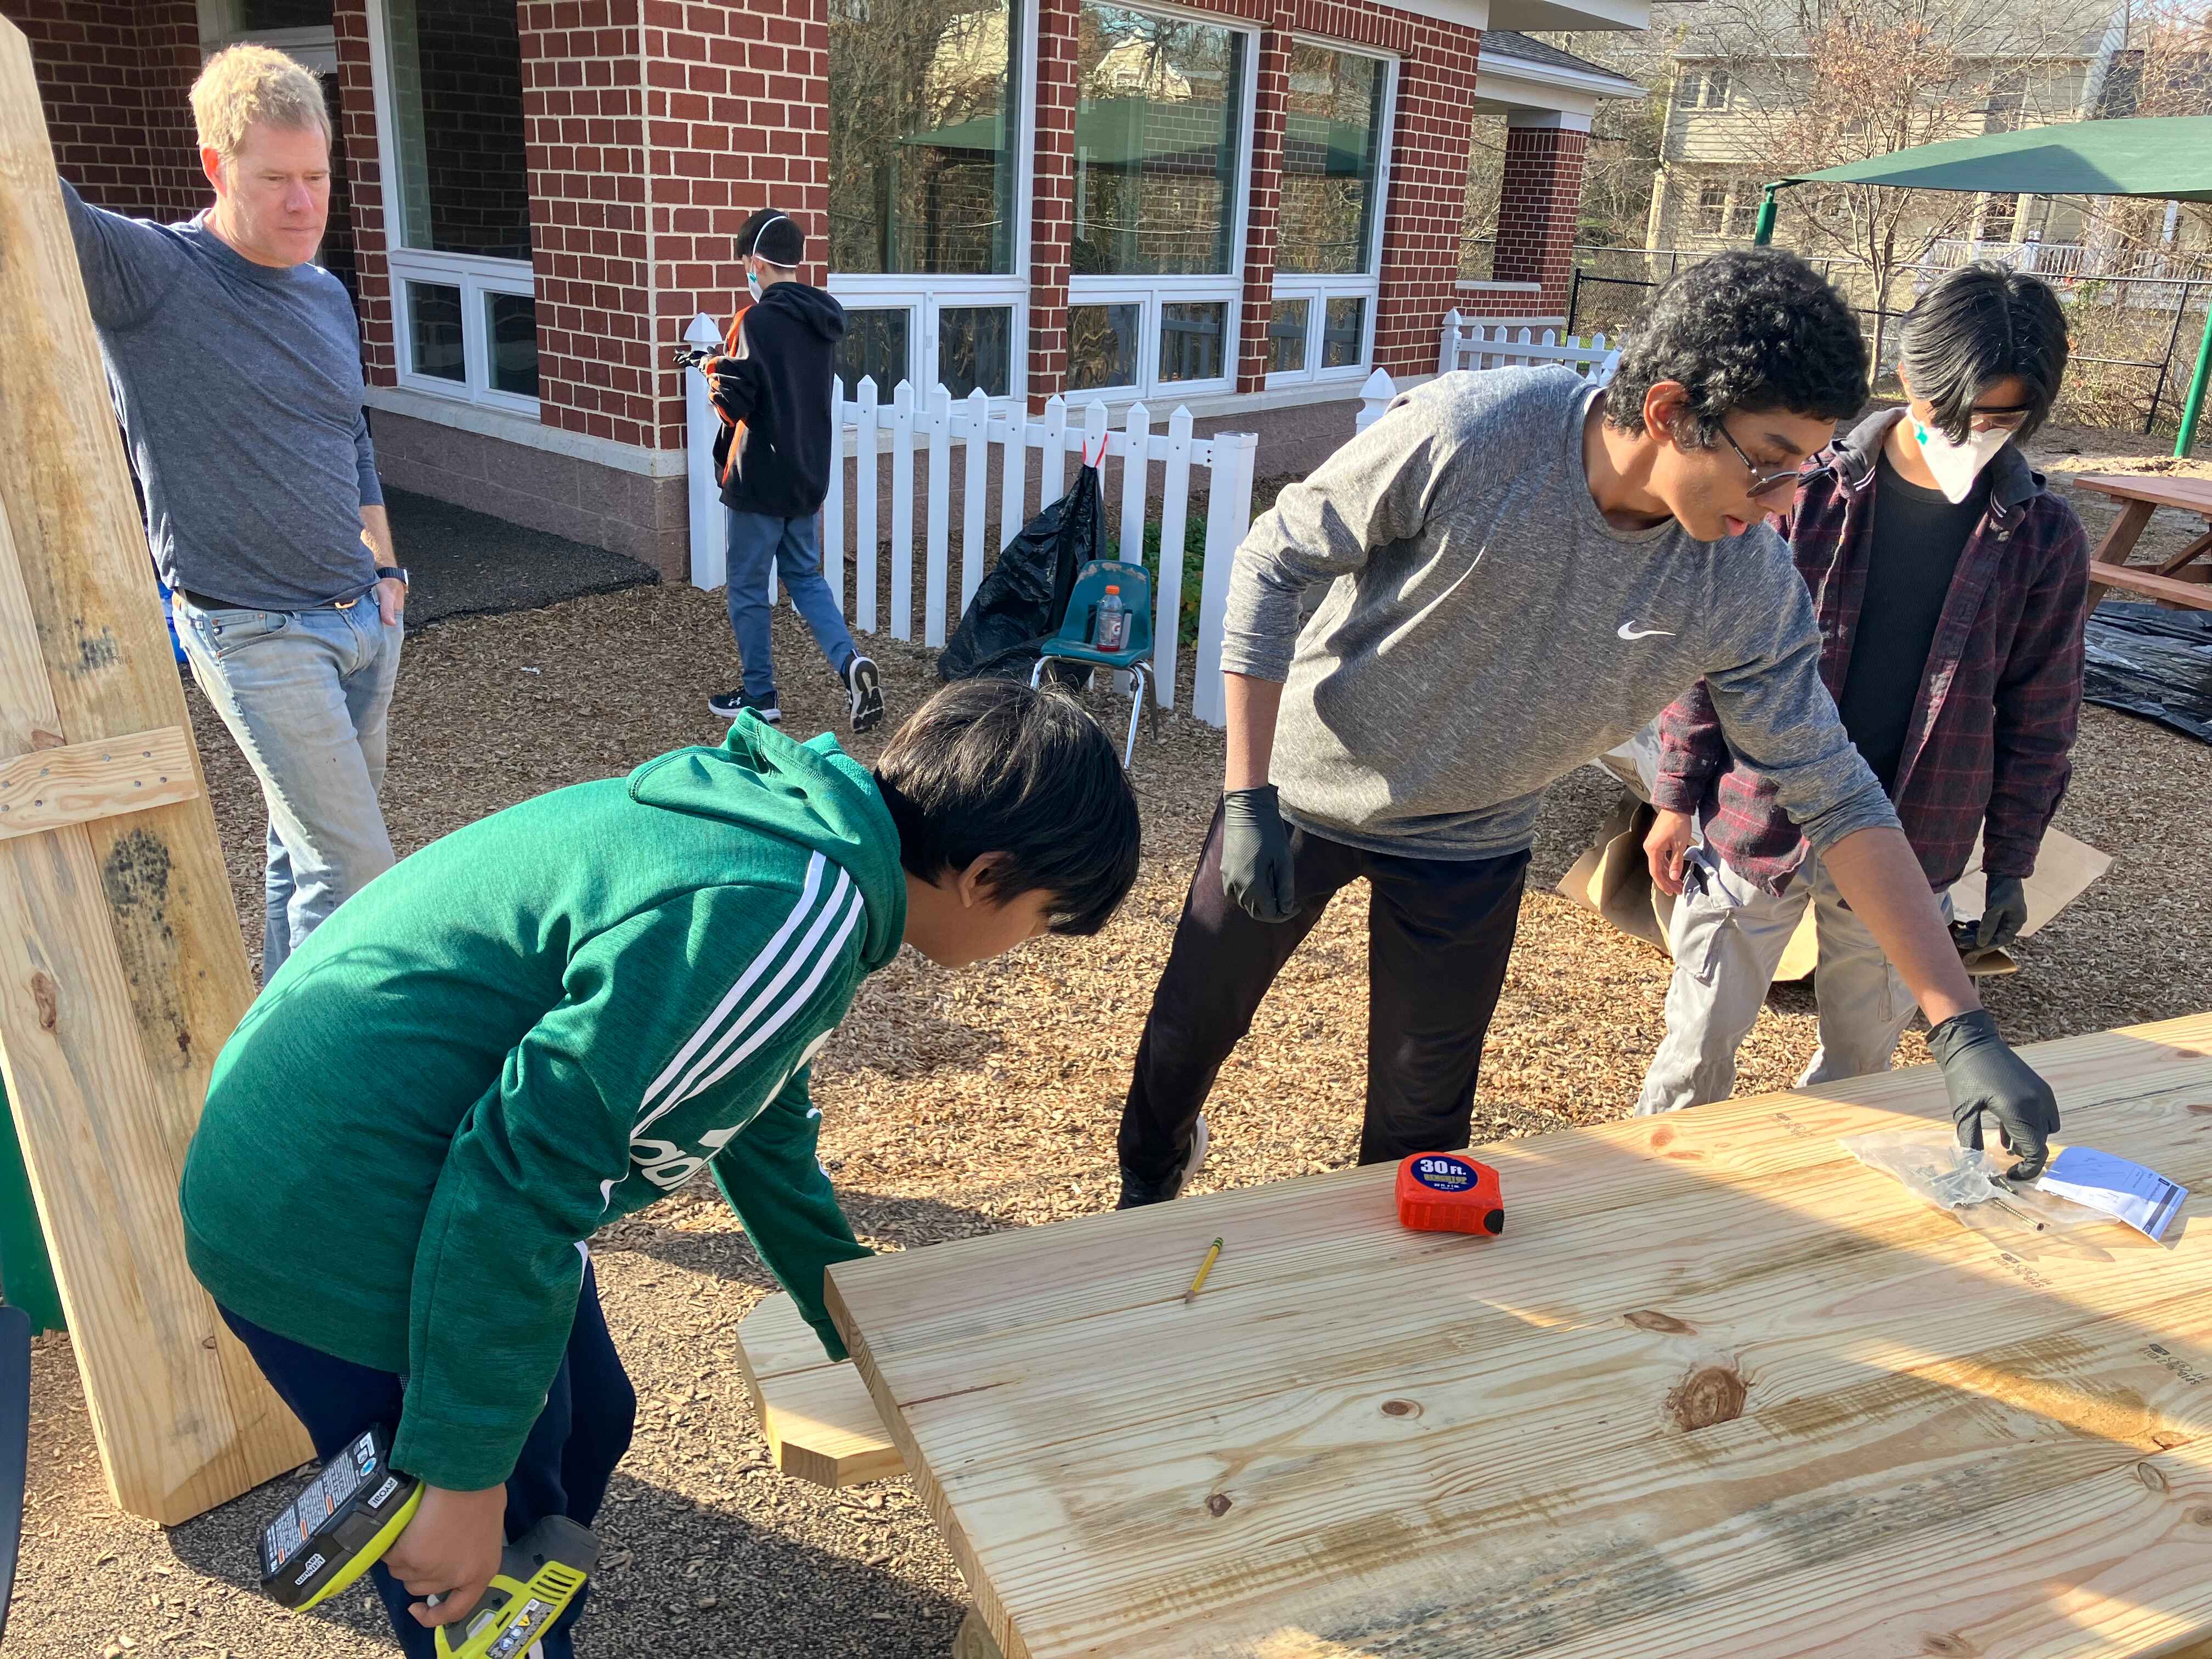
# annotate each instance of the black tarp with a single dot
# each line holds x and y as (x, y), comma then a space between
(2153, 662)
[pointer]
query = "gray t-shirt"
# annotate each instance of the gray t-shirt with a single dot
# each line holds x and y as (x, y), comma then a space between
(1488, 631)
(239, 390)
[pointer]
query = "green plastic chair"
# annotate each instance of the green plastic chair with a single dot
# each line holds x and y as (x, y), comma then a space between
(1071, 644)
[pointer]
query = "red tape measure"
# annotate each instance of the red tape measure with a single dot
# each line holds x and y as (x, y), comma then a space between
(1450, 1193)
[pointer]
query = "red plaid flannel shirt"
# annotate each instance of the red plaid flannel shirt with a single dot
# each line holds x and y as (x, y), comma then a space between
(1987, 748)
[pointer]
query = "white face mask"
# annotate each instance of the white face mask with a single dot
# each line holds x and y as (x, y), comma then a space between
(1957, 465)
(753, 285)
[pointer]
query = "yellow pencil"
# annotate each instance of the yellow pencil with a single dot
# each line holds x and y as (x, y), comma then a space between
(1204, 1269)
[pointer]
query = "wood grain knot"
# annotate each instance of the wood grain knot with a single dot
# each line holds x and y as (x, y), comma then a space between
(1950, 1644)
(1401, 1409)
(1705, 1397)
(1662, 1137)
(1650, 1319)
(1218, 1504)
(2151, 1476)
(2202, 1108)
(48, 997)
(2201, 1515)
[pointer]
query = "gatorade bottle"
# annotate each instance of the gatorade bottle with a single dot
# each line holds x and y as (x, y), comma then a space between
(1113, 633)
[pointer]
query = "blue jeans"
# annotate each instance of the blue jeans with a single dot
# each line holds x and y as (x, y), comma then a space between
(305, 694)
(565, 1467)
(792, 548)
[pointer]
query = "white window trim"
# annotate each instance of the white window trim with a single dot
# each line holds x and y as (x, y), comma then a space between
(921, 306)
(315, 49)
(1317, 288)
(924, 294)
(1226, 287)
(474, 275)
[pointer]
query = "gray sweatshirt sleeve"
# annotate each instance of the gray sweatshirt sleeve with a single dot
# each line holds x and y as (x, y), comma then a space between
(1777, 714)
(364, 453)
(1376, 489)
(127, 264)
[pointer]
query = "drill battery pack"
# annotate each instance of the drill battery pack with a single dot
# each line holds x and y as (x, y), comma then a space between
(351, 1511)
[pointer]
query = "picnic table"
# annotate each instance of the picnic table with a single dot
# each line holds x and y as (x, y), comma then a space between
(2142, 494)
(1719, 1389)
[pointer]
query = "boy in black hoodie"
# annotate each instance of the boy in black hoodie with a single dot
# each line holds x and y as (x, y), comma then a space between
(773, 385)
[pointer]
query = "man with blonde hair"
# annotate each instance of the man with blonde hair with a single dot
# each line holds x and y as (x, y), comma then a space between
(235, 365)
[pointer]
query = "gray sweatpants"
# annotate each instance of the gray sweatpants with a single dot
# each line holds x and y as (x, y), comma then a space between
(1728, 941)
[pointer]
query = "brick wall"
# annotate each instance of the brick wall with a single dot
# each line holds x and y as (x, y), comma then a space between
(477, 168)
(1428, 191)
(1265, 195)
(1537, 201)
(116, 81)
(1052, 211)
(364, 179)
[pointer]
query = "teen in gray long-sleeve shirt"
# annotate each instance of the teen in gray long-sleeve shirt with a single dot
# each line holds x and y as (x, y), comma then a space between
(1483, 606)
(235, 365)
(1524, 572)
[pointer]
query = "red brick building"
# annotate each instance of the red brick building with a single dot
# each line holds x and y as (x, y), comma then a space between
(1241, 205)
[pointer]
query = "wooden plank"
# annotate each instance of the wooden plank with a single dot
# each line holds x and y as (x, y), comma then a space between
(820, 1422)
(78, 783)
(1719, 1389)
(867, 478)
(973, 556)
(121, 968)
(2196, 596)
(902, 425)
(937, 577)
(2189, 495)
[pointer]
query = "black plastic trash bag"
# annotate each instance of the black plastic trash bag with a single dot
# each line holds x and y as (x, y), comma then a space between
(2153, 662)
(1023, 599)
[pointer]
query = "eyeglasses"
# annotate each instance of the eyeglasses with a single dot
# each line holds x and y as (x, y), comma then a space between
(1998, 420)
(1762, 484)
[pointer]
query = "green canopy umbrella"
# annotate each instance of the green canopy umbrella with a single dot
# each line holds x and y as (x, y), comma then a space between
(2165, 158)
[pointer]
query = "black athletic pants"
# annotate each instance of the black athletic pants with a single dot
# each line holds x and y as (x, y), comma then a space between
(1439, 934)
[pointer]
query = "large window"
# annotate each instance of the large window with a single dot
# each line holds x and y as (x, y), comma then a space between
(1163, 119)
(1321, 315)
(925, 174)
(458, 199)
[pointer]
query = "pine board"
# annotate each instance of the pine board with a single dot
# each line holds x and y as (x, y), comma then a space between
(122, 972)
(1718, 1389)
(820, 1423)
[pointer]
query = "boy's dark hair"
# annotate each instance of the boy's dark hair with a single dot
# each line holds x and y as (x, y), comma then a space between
(990, 766)
(775, 236)
(1754, 329)
(1979, 325)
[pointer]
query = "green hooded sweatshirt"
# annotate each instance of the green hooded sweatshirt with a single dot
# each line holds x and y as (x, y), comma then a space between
(530, 1029)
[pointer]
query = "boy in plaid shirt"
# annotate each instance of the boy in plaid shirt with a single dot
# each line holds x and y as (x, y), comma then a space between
(1951, 588)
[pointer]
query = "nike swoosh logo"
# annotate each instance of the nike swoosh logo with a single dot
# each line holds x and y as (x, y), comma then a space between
(1628, 630)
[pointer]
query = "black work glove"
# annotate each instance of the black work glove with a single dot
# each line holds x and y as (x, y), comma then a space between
(1981, 1074)
(2004, 912)
(1255, 855)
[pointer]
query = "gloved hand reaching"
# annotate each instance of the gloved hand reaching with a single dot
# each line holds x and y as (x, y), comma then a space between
(1983, 1074)
(1255, 855)
(2004, 912)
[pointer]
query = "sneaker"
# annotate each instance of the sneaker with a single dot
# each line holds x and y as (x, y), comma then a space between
(865, 687)
(1136, 1192)
(731, 704)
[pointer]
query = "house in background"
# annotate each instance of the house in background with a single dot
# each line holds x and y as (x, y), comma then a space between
(1244, 206)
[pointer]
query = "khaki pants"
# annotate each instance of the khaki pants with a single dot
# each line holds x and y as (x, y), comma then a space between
(1727, 939)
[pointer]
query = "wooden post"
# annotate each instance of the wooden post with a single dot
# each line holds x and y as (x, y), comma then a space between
(121, 969)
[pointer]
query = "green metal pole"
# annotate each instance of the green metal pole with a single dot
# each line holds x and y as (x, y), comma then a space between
(1763, 231)
(2193, 404)
(27, 1277)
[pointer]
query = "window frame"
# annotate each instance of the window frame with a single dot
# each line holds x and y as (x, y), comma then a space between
(1318, 289)
(315, 49)
(923, 296)
(1719, 209)
(1150, 293)
(475, 275)
(921, 305)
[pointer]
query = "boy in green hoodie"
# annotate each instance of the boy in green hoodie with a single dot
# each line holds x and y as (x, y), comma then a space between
(546, 1021)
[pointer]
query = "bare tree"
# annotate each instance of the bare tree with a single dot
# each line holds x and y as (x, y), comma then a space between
(1819, 84)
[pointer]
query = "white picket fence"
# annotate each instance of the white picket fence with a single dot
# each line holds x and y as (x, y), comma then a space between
(1472, 343)
(873, 429)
